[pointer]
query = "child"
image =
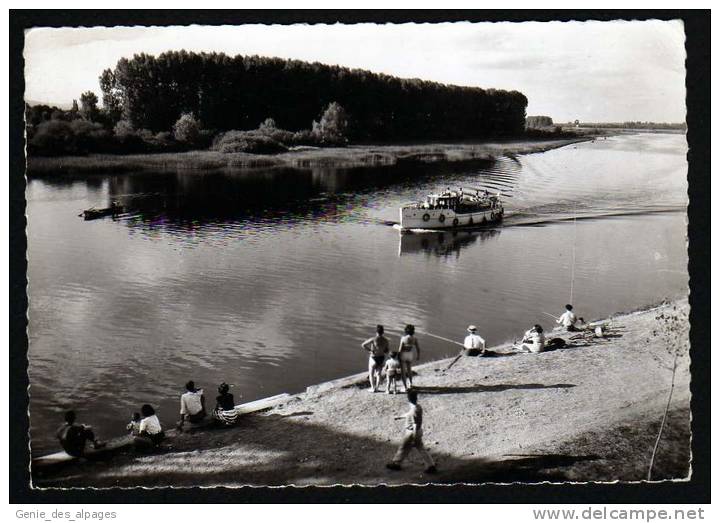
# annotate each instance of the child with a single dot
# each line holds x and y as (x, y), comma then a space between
(134, 426)
(392, 372)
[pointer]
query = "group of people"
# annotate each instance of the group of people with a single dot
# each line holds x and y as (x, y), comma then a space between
(397, 365)
(145, 426)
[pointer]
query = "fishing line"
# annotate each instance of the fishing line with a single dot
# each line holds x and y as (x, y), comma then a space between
(572, 273)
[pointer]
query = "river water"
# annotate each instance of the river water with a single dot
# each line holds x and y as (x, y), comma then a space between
(270, 279)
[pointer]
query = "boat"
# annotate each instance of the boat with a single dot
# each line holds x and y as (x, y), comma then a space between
(93, 213)
(452, 209)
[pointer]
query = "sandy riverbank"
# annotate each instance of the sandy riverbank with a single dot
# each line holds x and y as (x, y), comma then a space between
(589, 412)
(306, 158)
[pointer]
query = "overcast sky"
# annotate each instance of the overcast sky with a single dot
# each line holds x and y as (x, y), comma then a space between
(592, 71)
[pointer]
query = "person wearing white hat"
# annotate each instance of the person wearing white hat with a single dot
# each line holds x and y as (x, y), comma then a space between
(473, 342)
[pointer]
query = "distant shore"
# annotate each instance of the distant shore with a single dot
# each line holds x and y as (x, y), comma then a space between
(588, 412)
(301, 158)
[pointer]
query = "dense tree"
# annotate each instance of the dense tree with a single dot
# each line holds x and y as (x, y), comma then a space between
(88, 106)
(333, 125)
(240, 92)
(538, 122)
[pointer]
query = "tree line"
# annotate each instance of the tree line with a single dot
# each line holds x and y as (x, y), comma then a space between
(180, 100)
(240, 92)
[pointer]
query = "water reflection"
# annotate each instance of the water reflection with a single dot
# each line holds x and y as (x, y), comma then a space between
(443, 244)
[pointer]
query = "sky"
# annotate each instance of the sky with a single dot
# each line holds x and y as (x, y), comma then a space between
(591, 71)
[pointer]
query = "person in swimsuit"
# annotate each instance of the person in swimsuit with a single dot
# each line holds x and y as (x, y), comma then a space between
(378, 347)
(409, 352)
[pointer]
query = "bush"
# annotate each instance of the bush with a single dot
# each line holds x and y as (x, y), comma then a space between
(255, 142)
(187, 129)
(58, 137)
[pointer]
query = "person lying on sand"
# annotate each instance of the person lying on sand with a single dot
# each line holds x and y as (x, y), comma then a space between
(413, 436)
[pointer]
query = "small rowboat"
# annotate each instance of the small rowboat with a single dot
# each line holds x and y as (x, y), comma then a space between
(453, 209)
(93, 213)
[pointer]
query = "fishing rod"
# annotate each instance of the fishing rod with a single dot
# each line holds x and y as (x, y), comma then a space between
(548, 314)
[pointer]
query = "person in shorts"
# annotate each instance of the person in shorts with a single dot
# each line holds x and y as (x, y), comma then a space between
(378, 347)
(192, 405)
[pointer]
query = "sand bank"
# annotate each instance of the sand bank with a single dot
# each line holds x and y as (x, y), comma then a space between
(588, 412)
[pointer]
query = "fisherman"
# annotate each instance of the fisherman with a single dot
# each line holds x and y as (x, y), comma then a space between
(473, 343)
(73, 437)
(533, 340)
(192, 405)
(378, 348)
(568, 319)
(413, 437)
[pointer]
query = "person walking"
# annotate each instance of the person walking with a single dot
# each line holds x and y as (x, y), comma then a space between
(413, 437)
(378, 347)
(409, 353)
(474, 344)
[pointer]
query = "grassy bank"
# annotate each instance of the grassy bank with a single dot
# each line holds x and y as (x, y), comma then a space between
(340, 157)
(588, 412)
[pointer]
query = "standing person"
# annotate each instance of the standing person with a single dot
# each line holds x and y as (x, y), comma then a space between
(473, 342)
(151, 433)
(192, 405)
(413, 437)
(392, 372)
(225, 411)
(409, 352)
(568, 319)
(73, 437)
(378, 347)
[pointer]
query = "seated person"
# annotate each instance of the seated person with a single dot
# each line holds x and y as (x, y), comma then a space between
(533, 340)
(73, 437)
(134, 426)
(474, 344)
(225, 411)
(568, 319)
(192, 405)
(150, 431)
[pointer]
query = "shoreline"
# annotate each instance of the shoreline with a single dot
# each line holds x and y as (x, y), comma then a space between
(589, 412)
(303, 158)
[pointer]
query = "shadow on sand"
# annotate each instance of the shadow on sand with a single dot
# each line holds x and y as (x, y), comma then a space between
(491, 388)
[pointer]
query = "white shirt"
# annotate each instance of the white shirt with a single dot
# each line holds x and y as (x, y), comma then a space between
(536, 338)
(474, 341)
(567, 319)
(190, 402)
(151, 425)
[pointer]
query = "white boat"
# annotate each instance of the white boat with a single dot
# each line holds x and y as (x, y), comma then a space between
(453, 209)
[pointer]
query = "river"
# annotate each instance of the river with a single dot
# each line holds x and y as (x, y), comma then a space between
(270, 279)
